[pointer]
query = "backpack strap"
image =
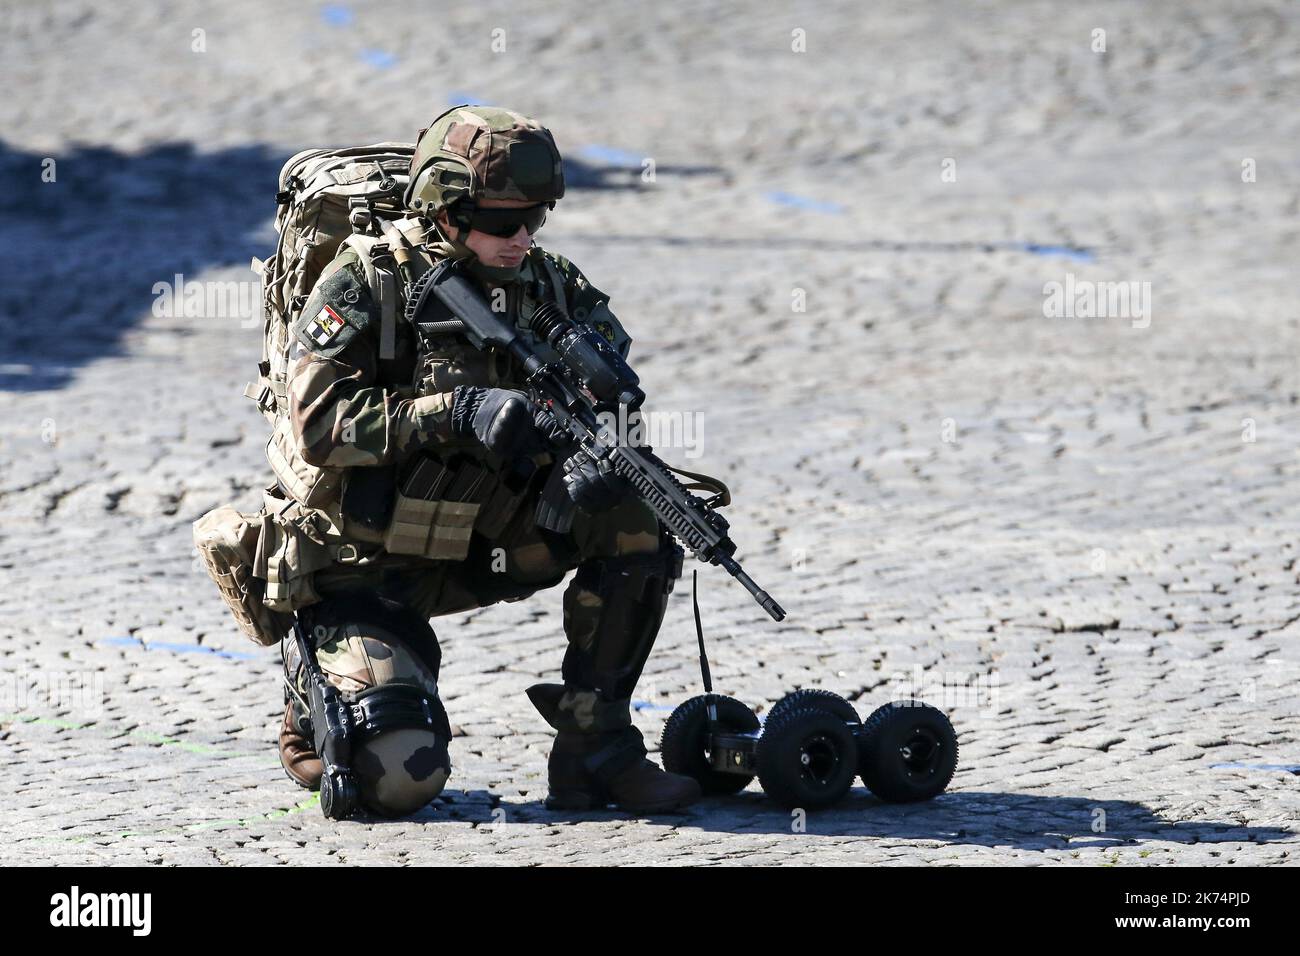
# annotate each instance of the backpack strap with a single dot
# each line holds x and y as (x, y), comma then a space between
(412, 230)
(379, 260)
(265, 393)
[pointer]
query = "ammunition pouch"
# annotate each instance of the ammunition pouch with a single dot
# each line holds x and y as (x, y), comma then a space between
(229, 541)
(437, 530)
(294, 544)
(501, 503)
(440, 504)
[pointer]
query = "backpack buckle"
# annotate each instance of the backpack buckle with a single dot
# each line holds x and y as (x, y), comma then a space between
(263, 397)
(285, 196)
(360, 215)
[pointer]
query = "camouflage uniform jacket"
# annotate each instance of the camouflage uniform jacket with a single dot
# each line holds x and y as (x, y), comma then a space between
(366, 416)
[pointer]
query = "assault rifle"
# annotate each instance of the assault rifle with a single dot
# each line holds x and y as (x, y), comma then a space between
(590, 379)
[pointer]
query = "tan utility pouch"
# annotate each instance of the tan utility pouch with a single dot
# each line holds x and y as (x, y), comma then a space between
(435, 509)
(227, 540)
(439, 530)
(295, 543)
(306, 483)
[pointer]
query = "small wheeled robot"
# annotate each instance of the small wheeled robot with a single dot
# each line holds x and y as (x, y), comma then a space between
(810, 747)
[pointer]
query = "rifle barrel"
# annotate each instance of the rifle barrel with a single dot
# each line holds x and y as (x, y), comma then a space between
(765, 600)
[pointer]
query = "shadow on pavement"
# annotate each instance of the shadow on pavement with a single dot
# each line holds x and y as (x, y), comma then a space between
(83, 252)
(970, 818)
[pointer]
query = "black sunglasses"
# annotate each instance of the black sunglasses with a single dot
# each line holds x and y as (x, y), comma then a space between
(504, 223)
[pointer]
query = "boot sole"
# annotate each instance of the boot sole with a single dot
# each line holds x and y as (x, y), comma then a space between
(574, 800)
(313, 786)
(577, 800)
(310, 787)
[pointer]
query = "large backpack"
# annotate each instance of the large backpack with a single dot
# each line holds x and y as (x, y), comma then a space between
(327, 197)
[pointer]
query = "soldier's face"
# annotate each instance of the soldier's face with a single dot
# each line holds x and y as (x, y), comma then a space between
(494, 250)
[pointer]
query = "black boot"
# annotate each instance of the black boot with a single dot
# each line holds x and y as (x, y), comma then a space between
(591, 771)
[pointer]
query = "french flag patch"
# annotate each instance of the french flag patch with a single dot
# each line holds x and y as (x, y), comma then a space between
(326, 325)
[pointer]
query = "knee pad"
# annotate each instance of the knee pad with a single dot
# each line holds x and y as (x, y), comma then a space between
(400, 758)
(384, 659)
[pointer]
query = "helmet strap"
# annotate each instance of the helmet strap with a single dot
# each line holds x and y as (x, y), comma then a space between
(438, 242)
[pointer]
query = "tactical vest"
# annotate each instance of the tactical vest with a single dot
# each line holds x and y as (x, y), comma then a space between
(375, 505)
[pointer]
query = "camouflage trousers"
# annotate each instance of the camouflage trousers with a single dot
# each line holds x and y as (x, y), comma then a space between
(626, 564)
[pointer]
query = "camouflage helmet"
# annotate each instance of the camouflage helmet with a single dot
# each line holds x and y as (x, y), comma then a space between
(476, 152)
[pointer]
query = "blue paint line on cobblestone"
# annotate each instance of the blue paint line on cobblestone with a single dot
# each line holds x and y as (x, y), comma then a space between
(1059, 252)
(179, 648)
(379, 59)
(336, 15)
(1284, 767)
(796, 201)
(646, 705)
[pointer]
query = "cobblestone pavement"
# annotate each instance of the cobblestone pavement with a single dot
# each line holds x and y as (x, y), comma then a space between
(1077, 535)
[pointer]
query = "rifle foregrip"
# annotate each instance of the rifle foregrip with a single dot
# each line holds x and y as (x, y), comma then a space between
(667, 510)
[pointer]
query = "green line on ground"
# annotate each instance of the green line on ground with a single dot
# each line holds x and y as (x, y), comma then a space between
(142, 735)
(199, 827)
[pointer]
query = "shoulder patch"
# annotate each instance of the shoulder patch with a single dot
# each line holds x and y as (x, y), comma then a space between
(325, 326)
(339, 309)
(607, 324)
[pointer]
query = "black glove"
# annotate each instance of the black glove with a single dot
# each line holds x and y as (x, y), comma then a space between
(502, 419)
(592, 485)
